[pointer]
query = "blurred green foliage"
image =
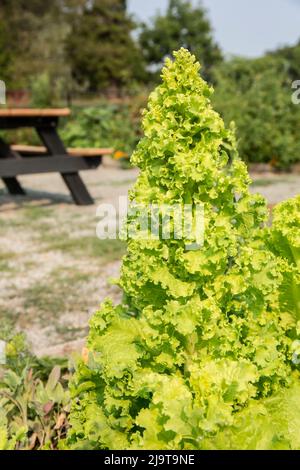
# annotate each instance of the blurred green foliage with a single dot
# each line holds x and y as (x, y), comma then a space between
(291, 57)
(256, 95)
(100, 49)
(90, 45)
(41, 91)
(107, 125)
(32, 34)
(63, 50)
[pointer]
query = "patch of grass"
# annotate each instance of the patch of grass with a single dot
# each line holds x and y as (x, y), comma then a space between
(38, 219)
(6, 256)
(36, 213)
(9, 223)
(69, 332)
(91, 246)
(25, 217)
(44, 299)
(5, 259)
(267, 182)
(4, 266)
(116, 183)
(69, 276)
(6, 324)
(7, 316)
(126, 182)
(29, 264)
(55, 296)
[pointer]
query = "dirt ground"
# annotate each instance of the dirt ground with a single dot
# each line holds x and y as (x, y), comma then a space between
(54, 272)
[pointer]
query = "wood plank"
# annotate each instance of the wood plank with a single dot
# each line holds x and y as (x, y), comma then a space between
(12, 184)
(33, 165)
(29, 149)
(31, 112)
(75, 184)
(74, 152)
(89, 152)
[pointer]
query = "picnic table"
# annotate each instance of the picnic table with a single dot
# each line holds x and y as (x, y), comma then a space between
(51, 157)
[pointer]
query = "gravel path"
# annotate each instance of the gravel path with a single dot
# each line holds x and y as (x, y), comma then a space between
(276, 187)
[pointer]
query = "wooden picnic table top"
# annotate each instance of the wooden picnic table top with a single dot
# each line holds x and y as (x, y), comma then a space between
(31, 112)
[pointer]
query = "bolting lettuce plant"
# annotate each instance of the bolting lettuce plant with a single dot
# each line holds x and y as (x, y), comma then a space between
(199, 355)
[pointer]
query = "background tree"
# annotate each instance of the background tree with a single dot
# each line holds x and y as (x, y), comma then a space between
(33, 32)
(183, 25)
(291, 56)
(5, 52)
(100, 48)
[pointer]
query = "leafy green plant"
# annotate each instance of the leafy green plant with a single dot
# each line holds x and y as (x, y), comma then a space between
(34, 401)
(284, 241)
(199, 354)
(274, 422)
(106, 125)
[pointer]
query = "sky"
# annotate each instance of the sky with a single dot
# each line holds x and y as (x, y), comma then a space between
(241, 27)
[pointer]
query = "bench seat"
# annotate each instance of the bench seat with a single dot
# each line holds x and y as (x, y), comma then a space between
(28, 112)
(74, 152)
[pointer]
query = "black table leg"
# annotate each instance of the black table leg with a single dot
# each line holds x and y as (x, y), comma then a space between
(12, 184)
(55, 146)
